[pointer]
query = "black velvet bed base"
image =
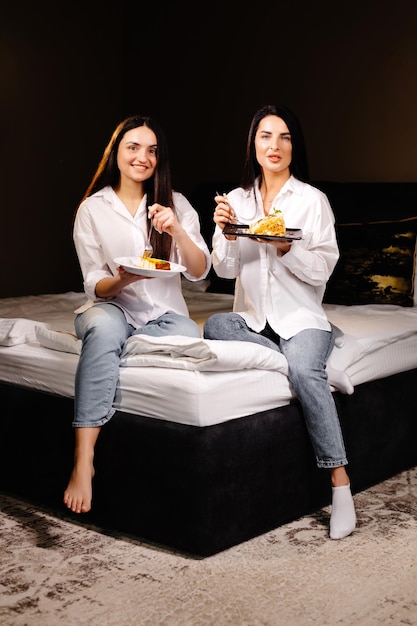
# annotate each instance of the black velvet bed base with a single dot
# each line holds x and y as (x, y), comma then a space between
(202, 490)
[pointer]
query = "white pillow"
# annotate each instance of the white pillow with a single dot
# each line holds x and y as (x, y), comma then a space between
(199, 354)
(58, 340)
(17, 330)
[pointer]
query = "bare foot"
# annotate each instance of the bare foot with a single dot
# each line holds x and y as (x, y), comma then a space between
(79, 492)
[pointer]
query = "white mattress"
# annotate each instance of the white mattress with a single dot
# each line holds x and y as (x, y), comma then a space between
(208, 383)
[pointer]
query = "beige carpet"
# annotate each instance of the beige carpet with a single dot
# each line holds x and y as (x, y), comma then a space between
(54, 572)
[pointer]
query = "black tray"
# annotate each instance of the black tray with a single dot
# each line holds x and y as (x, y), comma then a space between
(242, 230)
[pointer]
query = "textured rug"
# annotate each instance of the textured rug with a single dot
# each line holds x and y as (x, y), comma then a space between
(54, 571)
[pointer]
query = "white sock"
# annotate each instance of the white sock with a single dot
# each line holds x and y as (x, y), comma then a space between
(343, 517)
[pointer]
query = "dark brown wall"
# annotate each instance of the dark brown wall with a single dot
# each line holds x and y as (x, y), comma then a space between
(347, 69)
(61, 97)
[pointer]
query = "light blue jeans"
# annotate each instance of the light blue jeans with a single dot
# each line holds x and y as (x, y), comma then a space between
(306, 353)
(104, 330)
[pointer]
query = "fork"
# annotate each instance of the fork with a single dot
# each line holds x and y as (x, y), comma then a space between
(148, 250)
(226, 201)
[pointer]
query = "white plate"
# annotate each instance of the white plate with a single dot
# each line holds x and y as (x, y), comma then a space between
(128, 263)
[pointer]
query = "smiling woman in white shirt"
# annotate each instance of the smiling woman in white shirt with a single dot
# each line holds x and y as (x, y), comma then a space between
(280, 283)
(130, 190)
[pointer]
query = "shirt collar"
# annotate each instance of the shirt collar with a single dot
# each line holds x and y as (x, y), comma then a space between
(292, 184)
(108, 194)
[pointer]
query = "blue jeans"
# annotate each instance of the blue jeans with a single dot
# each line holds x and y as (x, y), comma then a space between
(306, 353)
(104, 330)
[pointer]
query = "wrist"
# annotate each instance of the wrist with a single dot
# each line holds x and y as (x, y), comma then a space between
(282, 251)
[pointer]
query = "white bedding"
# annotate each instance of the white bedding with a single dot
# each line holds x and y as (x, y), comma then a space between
(197, 382)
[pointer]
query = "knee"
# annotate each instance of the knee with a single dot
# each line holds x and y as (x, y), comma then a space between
(104, 328)
(173, 324)
(306, 374)
(213, 326)
(190, 328)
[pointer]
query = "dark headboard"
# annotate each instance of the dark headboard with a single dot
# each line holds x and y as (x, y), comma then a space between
(351, 202)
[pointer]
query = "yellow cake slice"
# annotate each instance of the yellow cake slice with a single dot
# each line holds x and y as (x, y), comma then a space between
(152, 264)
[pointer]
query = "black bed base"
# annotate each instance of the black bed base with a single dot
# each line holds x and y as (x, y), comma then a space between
(201, 490)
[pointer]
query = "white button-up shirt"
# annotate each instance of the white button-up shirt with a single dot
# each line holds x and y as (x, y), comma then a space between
(104, 230)
(286, 291)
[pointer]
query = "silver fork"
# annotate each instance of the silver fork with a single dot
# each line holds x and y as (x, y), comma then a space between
(148, 250)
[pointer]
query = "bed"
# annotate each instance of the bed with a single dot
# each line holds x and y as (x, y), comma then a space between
(208, 446)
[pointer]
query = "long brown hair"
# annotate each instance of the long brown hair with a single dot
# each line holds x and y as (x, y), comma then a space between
(158, 188)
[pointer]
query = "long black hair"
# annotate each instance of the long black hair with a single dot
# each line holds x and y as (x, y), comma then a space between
(299, 162)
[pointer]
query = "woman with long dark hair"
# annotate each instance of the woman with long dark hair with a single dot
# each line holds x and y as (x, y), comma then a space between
(280, 284)
(130, 190)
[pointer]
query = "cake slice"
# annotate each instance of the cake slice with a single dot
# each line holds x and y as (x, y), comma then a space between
(152, 264)
(270, 225)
